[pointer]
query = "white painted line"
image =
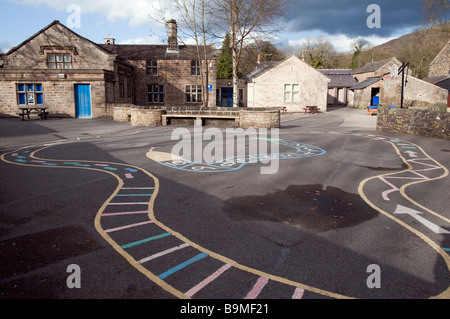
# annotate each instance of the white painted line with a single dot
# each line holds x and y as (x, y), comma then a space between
(162, 253)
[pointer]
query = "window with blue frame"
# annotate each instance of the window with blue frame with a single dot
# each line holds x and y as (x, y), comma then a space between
(30, 94)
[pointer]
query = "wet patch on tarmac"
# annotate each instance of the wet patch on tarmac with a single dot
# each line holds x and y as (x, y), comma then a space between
(307, 207)
(23, 254)
(403, 167)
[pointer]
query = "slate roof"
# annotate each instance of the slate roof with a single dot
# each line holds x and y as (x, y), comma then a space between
(365, 83)
(339, 77)
(157, 52)
(374, 66)
(261, 68)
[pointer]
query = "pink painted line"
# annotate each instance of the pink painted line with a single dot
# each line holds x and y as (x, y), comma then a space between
(102, 165)
(207, 281)
(257, 288)
(35, 161)
(14, 155)
(127, 226)
(298, 293)
(129, 176)
(126, 213)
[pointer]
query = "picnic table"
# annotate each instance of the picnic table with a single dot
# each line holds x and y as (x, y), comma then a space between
(26, 110)
(312, 109)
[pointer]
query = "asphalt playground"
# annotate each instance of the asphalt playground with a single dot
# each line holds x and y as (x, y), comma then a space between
(349, 213)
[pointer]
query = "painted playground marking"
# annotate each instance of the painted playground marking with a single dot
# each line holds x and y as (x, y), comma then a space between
(230, 164)
(413, 175)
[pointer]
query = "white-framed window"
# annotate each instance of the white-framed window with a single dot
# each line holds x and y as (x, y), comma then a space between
(291, 93)
(59, 61)
(30, 94)
(193, 93)
(155, 93)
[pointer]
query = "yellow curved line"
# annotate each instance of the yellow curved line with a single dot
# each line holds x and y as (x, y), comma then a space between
(446, 293)
(97, 222)
(152, 217)
(402, 189)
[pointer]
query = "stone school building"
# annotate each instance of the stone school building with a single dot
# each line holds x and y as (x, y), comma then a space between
(75, 77)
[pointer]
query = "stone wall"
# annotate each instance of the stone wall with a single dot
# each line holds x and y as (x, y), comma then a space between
(212, 116)
(28, 63)
(122, 113)
(440, 66)
(418, 121)
(173, 75)
(58, 93)
(144, 116)
(259, 118)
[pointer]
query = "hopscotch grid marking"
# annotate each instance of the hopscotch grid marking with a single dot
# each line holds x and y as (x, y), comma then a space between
(128, 226)
(162, 253)
(191, 292)
(126, 213)
(182, 265)
(142, 241)
(257, 288)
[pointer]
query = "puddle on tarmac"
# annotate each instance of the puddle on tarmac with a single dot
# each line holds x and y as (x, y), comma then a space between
(304, 206)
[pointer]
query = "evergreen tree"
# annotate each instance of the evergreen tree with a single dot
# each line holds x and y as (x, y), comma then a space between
(225, 61)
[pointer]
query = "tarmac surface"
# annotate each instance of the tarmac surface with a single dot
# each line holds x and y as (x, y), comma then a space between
(349, 213)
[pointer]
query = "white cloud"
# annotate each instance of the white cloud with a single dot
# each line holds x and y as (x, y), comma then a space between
(143, 40)
(341, 42)
(138, 12)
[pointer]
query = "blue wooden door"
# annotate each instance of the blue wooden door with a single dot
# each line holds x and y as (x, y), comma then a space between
(227, 97)
(83, 108)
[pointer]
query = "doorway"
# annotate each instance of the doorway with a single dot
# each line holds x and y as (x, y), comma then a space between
(374, 96)
(83, 107)
(226, 97)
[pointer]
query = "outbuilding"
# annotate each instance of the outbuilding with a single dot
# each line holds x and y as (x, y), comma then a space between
(290, 83)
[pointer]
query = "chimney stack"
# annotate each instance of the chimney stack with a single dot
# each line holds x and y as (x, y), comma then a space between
(172, 35)
(109, 40)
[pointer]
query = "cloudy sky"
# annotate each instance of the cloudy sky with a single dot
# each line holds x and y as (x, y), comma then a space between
(134, 21)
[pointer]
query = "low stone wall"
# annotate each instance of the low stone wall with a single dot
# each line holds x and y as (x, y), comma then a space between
(414, 121)
(216, 116)
(145, 116)
(259, 118)
(122, 113)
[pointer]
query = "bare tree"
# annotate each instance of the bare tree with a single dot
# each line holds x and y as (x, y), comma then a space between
(319, 53)
(422, 49)
(244, 19)
(435, 10)
(197, 21)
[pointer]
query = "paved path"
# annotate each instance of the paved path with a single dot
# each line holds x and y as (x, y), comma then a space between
(157, 217)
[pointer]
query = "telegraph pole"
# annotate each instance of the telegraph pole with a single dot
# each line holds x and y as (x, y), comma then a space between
(402, 70)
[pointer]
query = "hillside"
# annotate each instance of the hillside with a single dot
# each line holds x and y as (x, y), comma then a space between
(418, 48)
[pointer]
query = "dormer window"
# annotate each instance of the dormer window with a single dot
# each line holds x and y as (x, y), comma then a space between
(59, 61)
